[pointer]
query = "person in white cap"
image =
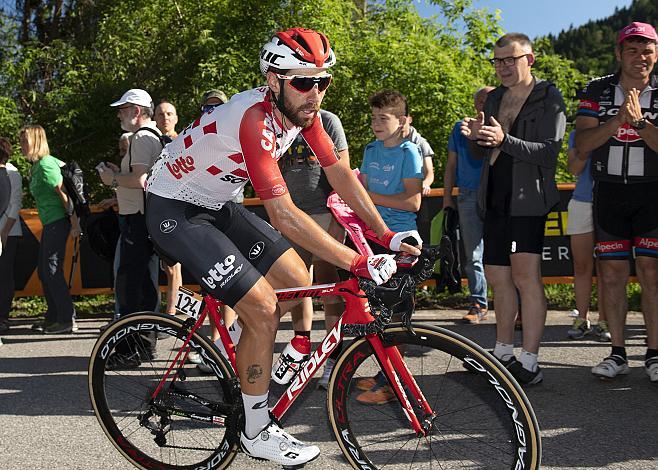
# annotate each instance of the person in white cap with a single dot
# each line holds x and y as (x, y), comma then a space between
(616, 122)
(135, 290)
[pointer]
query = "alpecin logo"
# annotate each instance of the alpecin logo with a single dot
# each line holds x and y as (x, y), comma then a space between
(256, 250)
(626, 133)
(168, 226)
(181, 165)
(612, 246)
(220, 272)
(648, 243)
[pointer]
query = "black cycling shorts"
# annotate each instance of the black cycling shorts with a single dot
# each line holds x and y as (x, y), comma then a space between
(505, 236)
(626, 216)
(225, 250)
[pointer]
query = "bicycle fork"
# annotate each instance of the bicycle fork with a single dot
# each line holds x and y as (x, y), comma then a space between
(401, 381)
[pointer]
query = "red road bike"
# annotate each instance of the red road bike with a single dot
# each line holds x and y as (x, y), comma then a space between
(456, 406)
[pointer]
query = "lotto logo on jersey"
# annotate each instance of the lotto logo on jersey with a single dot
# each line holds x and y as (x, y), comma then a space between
(626, 133)
(222, 272)
(181, 165)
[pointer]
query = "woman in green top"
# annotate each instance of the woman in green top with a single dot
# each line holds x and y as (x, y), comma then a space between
(58, 221)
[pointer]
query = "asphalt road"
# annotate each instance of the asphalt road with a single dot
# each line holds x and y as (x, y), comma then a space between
(46, 420)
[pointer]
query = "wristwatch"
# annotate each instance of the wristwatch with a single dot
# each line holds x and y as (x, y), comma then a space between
(639, 124)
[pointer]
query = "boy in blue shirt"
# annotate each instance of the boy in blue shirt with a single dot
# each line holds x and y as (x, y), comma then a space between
(392, 166)
(392, 173)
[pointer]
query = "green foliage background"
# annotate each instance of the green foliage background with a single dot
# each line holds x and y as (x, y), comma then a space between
(62, 69)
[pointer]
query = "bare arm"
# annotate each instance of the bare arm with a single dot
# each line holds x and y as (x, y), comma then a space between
(354, 194)
(409, 200)
(650, 136)
(304, 231)
(133, 179)
(449, 179)
(344, 158)
(428, 171)
(590, 136)
(575, 164)
(62, 196)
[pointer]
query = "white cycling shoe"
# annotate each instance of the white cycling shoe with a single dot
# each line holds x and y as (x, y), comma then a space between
(276, 445)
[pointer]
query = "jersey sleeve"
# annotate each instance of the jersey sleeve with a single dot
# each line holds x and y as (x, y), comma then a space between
(412, 165)
(588, 105)
(258, 143)
(52, 173)
(320, 143)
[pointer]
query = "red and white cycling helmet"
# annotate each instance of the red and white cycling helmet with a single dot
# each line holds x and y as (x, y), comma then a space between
(297, 48)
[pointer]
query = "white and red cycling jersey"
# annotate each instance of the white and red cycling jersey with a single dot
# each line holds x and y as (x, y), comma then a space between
(213, 158)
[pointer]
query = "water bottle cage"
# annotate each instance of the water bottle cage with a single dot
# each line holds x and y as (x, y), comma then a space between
(287, 364)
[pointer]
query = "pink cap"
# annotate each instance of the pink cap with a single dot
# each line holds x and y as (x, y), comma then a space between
(637, 29)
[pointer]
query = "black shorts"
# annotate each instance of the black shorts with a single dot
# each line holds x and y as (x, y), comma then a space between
(505, 236)
(626, 216)
(226, 251)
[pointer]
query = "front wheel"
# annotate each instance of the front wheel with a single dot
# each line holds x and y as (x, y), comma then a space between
(482, 417)
(184, 422)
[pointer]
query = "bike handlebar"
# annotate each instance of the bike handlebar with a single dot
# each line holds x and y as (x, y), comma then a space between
(401, 285)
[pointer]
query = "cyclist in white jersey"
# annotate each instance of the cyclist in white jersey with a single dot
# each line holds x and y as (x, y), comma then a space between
(233, 254)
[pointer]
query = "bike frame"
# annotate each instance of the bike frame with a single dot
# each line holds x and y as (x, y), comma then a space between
(357, 311)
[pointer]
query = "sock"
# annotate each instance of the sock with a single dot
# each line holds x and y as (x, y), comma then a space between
(619, 351)
(528, 360)
(303, 333)
(503, 351)
(651, 353)
(256, 414)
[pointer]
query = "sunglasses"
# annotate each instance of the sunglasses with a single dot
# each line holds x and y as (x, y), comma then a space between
(304, 84)
(207, 107)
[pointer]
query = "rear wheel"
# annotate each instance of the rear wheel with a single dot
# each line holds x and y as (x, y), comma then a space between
(483, 418)
(186, 425)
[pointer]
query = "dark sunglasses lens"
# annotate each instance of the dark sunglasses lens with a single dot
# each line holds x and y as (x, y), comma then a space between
(207, 107)
(307, 83)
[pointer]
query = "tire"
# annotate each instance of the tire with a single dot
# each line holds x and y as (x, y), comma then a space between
(483, 418)
(121, 399)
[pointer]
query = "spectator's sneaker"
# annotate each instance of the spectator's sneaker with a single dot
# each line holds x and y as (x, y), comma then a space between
(366, 384)
(118, 361)
(603, 332)
(328, 367)
(579, 329)
(74, 327)
(377, 396)
(40, 326)
(58, 329)
(276, 445)
(651, 367)
(611, 367)
(523, 376)
(475, 314)
(4, 326)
